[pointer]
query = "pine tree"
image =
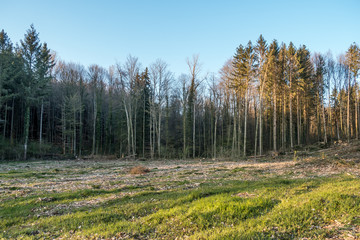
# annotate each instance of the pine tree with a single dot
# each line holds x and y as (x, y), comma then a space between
(244, 73)
(6, 75)
(292, 74)
(302, 85)
(353, 63)
(261, 49)
(272, 62)
(36, 59)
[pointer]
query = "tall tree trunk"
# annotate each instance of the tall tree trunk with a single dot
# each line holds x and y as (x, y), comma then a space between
(330, 114)
(298, 120)
(356, 112)
(318, 119)
(5, 121)
(41, 124)
(348, 111)
(132, 150)
(215, 136)
(256, 128)
(167, 126)
(193, 137)
(341, 119)
(324, 122)
(74, 130)
(26, 129)
(283, 125)
(184, 129)
(239, 127)
(94, 125)
(134, 135)
(233, 145)
(63, 128)
(245, 120)
(260, 121)
(12, 122)
(150, 134)
(128, 127)
(159, 133)
(274, 120)
(291, 117)
(143, 129)
(154, 134)
(80, 127)
(337, 128)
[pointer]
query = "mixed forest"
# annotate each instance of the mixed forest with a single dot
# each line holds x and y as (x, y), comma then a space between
(269, 96)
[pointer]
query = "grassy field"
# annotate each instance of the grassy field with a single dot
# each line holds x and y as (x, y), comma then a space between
(313, 194)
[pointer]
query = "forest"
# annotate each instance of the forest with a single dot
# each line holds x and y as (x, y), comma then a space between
(269, 96)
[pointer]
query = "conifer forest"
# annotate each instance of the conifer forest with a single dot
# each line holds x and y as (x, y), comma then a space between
(270, 96)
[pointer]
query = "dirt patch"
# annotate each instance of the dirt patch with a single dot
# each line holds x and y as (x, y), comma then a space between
(139, 170)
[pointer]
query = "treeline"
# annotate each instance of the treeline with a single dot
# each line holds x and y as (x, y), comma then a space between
(268, 96)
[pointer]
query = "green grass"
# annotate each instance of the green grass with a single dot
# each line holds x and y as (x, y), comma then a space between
(276, 208)
(216, 203)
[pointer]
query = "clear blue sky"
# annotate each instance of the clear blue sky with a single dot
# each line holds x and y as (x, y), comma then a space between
(106, 32)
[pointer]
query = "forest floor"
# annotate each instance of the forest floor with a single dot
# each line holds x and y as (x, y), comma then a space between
(309, 194)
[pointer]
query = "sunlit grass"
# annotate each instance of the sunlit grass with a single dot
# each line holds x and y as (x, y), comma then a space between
(275, 208)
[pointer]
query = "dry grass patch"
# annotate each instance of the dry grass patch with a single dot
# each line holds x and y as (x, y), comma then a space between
(139, 170)
(245, 195)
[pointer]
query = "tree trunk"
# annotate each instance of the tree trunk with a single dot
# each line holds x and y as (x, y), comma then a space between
(184, 124)
(74, 130)
(26, 129)
(167, 126)
(233, 145)
(12, 122)
(341, 119)
(356, 112)
(41, 123)
(348, 111)
(245, 121)
(150, 134)
(193, 137)
(330, 114)
(159, 133)
(63, 128)
(256, 128)
(337, 128)
(215, 130)
(94, 125)
(291, 118)
(80, 127)
(298, 118)
(239, 127)
(134, 125)
(143, 129)
(324, 122)
(5, 121)
(283, 125)
(260, 122)
(274, 120)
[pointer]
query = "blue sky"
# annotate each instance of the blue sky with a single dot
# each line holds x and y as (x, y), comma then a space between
(106, 32)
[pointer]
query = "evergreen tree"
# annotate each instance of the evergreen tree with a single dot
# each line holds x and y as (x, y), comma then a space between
(6, 76)
(353, 63)
(272, 83)
(260, 50)
(37, 62)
